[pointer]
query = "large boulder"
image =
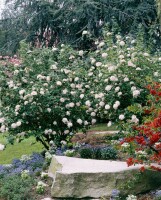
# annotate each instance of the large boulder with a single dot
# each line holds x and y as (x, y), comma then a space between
(86, 178)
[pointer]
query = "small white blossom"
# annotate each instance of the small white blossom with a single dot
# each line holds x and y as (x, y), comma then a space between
(104, 55)
(59, 83)
(121, 117)
(79, 121)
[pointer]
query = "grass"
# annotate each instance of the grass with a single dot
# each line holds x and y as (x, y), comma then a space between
(26, 147)
(103, 127)
(18, 149)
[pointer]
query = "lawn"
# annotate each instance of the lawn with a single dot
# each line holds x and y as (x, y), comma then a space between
(18, 149)
(27, 146)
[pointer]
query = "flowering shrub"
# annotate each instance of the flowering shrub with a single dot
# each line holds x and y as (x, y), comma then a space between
(54, 93)
(143, 141)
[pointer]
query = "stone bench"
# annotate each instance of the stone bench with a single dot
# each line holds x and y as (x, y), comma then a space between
(87, 178)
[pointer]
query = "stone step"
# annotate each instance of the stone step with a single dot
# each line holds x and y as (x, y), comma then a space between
(87, 178)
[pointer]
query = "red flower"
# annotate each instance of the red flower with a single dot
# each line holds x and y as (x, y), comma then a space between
(142, 169)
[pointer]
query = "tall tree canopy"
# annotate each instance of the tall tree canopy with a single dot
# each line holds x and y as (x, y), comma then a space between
(48, 22)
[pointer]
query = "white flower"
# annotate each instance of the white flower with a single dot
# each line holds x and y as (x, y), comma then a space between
(107, 107)
(125, 145)
(72, 85)
(71, 104)
(88, 103)
(66, 131)
(54, 67)
(121, 117)
(26, 102)
(77, 104)
(59, 83)
(101, 103)
(69, 124)
(133, 41)
(117, 89)
(119, 94)
(109, 124)
(76, 79)
(146, 54)
(65, 91)
(134, 119)
(126, 79)
(130, 64)
(136, 93)
(33, 93)
(138, 69)
(21, 92)
(49, 110)
(116, 105)
(93, 121)
(104, 55)
(122, 43)
(14, 125)
(18, 123)
(54, 49)
(131, 197)
(159, 58)
(62, 100)
(101, 44)
(121, 57)
(65, 120)
(113, 78)
(55, 123)
(133, 88)
(93, 114)
(93, 60)
(2, 147)
(81, 53)
(82, 96)
(86, 123)
(108, 87)
(2, 120)
(79, 121)
(98, 64)
(44, 175)
(112, 68)
(85, 33)
(156, 74)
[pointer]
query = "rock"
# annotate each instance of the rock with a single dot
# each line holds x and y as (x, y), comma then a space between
(86, 178)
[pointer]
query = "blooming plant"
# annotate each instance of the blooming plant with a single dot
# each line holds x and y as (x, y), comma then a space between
(56, 92)
(144, 140)
(24, 167)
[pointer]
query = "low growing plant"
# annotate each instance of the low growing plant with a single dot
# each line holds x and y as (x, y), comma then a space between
(16, 188)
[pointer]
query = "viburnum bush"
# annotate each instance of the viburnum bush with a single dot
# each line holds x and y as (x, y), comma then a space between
(123, 70)
(55, 92)
(143, 141)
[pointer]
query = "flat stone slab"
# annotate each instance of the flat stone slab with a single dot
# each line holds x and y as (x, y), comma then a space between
(87, 178)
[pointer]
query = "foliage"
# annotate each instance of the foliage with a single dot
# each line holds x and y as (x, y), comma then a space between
(71, 89)
(143, 141)
(108, 153)
(100, 153)
(14, 187)
(47, 23)
(86, 152)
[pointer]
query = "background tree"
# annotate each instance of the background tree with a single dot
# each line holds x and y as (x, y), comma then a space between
(48, 22)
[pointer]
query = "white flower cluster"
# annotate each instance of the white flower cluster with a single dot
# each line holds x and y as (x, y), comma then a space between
(131, 197)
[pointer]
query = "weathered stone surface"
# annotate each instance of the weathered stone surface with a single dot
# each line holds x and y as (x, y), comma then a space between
(86, 178)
